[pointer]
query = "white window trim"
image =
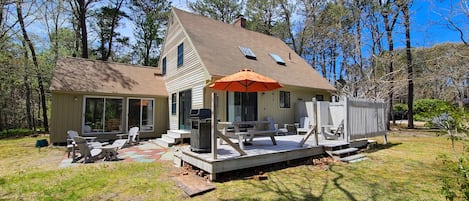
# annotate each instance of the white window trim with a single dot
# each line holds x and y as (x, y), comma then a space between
(104, 112)
(153, 114)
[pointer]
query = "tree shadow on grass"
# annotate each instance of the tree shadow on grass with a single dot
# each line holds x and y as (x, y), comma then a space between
(338, 186)
(299, 186)
(301, 189)
(284, 188)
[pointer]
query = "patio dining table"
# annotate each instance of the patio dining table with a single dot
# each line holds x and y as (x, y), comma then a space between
(251, 129)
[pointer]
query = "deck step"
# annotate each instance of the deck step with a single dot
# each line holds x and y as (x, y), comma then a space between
(173, 137)
(336, 146)
(359, 143)
(344, 151)
(354, 158)
(179, 133)
(169, 138)
(163, 143)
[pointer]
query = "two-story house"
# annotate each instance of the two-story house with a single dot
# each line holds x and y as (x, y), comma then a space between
(196, 52)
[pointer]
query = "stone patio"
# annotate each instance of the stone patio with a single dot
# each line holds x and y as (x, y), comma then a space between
(145, 152)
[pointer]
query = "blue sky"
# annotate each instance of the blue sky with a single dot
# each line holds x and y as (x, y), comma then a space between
(427, 28)
(427, 25)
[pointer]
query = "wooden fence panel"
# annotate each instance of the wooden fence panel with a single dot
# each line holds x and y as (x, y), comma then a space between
(365, 118)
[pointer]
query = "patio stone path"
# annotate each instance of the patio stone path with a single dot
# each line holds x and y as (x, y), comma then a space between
(145, 152)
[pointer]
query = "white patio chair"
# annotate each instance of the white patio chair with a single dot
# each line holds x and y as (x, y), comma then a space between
(333, 133)
(132, 137)
(304, 125)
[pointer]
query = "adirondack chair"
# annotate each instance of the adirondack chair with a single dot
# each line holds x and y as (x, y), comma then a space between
(71, 134)
(334, 133)
(304, 125)
(132, 136)
(110, 151)
(87, 152)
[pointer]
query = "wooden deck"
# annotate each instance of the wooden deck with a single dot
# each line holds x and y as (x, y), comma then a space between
(261, 152)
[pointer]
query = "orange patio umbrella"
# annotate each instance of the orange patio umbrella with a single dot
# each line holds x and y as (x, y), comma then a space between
(246, 80)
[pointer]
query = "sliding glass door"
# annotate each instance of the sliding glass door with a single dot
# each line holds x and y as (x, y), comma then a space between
(242, 106)
(185, 105)
(102, 115)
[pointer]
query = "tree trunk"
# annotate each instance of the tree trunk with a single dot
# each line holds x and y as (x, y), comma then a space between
(84, 33)
(146, 58)
(389, 26)
(390, 70)
(76, 29)
(410, 78)
(36, 64)
(114, 22)
(27, 87)
(56, 29)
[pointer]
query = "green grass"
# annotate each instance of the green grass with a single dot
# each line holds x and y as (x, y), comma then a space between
(405, 169)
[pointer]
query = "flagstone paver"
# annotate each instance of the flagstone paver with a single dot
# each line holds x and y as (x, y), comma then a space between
(145, 152)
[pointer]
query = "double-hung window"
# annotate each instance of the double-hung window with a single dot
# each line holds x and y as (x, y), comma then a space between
(102, 115)
(163, 64)
(284, 99)
(141, 113)
(180, 54)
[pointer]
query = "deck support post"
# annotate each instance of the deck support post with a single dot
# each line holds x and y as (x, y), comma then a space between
(214, 125)
(313, 129)
(346, 133)
(217, 134)
(308, 134)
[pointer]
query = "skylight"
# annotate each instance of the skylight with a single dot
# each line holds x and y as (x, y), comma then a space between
(277, 59)
(247, 52)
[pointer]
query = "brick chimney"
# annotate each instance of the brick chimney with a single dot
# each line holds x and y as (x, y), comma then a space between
(240, 21)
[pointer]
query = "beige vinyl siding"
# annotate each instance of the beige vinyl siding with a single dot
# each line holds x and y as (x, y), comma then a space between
(191, 75)
(269, 103)
(221, 102)
(161, 117)
(67, 114)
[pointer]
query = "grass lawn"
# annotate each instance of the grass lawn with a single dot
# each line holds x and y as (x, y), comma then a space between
(405, 169)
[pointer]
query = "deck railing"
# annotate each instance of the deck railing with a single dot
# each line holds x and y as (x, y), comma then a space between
(360, 118)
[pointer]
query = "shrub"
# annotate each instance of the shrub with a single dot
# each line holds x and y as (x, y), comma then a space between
(456, 185)
(427, 109)
(400, 111)
(15, 132)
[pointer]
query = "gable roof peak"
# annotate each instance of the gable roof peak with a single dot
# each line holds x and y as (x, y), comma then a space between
(217, 44)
